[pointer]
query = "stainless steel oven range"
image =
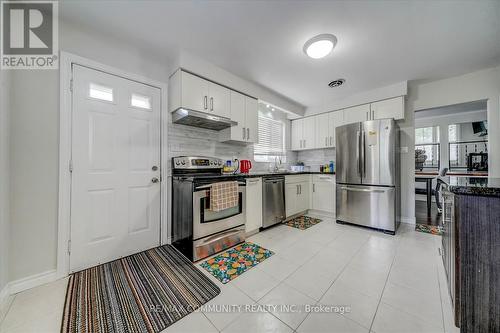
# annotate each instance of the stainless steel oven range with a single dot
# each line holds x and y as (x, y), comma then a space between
(197, 231)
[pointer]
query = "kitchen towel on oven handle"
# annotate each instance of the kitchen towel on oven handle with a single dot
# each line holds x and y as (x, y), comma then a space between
(223, 195)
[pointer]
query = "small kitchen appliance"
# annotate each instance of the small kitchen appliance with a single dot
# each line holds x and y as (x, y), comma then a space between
(245, 166)
(477, 161)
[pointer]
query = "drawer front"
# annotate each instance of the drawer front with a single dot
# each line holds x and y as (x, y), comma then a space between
(297, 179)
(210, 245)
(323, 178)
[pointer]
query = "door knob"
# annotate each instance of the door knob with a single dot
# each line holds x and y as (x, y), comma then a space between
(154, 168)
(155, 180)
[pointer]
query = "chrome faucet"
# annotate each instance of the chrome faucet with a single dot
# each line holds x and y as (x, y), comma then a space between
(277, 163)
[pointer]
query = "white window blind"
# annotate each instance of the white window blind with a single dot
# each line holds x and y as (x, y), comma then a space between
(271, 140)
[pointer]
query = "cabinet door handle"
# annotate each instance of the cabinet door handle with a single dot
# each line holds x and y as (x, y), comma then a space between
(300, 189)
(331, 141)
(326, 141)
(248, 133)
(205, 103)
(314, 187)
(367, 116)
(211, 103)
(304, 143)
(243, 133)
(297, 189)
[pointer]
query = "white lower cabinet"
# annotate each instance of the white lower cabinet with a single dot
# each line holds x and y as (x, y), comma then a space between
(297, 194)
(323, 193)
(253, 204)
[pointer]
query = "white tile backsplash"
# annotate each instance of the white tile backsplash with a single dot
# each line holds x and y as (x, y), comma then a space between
(193, 141)
(316, 157)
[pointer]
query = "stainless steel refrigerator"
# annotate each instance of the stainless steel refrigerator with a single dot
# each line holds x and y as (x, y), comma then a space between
(367, 174)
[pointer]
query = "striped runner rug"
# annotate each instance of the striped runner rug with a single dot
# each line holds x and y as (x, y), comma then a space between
(145, 292)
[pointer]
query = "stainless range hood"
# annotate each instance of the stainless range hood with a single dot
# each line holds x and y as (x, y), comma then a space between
(201, 119)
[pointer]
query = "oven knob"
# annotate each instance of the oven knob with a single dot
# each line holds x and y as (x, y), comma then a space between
(212, 163)
(177, 163)
(183, 162)
(219, 162)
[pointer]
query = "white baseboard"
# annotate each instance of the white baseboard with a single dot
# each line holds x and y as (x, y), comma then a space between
(32, 281)
(408, 220)
(5, 300)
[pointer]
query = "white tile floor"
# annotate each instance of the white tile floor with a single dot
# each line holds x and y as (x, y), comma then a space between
(391, 283)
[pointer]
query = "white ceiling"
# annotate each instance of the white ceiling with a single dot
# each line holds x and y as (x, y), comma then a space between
(379, 42)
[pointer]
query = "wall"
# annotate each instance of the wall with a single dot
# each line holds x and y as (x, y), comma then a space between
(479, 85)
(4, 183)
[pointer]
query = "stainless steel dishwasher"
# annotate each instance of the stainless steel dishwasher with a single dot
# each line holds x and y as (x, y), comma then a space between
(273, 200)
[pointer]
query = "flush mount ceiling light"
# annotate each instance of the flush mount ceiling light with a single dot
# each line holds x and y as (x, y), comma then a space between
(320, 46)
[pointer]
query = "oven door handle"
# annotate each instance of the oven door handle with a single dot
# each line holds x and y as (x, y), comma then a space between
(221, 236)
(204, 187)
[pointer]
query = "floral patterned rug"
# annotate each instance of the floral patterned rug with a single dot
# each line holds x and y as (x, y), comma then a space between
(302, 222)
(229, 265)
(430, 229)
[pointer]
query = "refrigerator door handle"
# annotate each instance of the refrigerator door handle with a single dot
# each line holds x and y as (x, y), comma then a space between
(362, 153)
(357, 153)
(355, 189)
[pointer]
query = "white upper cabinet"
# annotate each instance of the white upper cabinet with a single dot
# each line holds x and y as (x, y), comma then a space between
(252, 119)
(325, 125)
(335, 119)
(318, 132)
(308, 133)
(243, 110)
(304, 133)
(238, 114)
(357, 114)
(194, 92)
(219, 100)
(389, 108)
(323, 137)
(297, 134)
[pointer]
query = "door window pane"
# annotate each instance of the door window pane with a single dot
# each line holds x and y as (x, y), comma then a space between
(140, 101)
(98, 91)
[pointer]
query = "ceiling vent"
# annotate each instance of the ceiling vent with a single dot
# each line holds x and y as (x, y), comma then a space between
(336, 83)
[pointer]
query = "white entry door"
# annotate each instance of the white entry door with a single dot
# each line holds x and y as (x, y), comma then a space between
(115, 188)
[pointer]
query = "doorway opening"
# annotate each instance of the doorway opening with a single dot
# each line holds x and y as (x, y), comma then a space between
(449, 141)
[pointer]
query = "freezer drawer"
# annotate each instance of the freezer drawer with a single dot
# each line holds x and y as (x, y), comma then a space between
(370, 206)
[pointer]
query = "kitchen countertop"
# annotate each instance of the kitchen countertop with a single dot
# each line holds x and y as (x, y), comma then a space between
(454, 173)
(489, 187)
(284, 173)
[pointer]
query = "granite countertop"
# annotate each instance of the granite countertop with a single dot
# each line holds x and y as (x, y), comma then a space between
(474, 186)
(454, 173)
